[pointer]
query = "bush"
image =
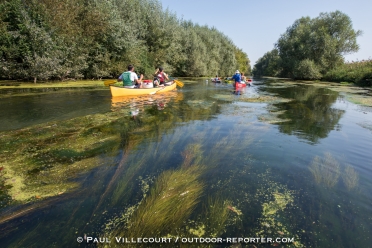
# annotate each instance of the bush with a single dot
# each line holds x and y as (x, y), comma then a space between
(359, 72)
(307, 69)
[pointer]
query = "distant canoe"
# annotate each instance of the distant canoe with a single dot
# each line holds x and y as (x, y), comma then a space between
(239, 86)
(121, 91)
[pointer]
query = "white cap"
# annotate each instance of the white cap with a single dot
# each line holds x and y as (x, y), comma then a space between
(237, 71)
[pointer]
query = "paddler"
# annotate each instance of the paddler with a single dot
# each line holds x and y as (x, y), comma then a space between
(237, 79)
(130, 78)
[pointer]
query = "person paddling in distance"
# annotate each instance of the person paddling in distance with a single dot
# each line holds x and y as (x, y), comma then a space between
(236, 77)
(130, 78)
(243, 77)
(160, 77)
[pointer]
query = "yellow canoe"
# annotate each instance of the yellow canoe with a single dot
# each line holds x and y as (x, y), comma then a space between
(121, 91)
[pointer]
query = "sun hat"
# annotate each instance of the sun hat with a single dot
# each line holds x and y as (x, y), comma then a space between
(237, 71)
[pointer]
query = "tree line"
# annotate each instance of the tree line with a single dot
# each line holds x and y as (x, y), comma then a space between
(314, 48)
(63, 39)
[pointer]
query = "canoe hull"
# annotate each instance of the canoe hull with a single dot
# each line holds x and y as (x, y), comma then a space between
(239, 86)
(121, 91)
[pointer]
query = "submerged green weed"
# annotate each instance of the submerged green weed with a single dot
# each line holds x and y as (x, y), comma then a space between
(325, 170)
(215, 216)
(192, 155)
(350, 177)
(170, 202)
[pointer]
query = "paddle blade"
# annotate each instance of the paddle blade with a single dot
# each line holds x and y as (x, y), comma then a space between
(109, 82)
(179, 83)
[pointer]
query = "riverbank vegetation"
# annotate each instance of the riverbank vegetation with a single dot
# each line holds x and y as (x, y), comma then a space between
(314, 48)
(359, 72)
(42, 40)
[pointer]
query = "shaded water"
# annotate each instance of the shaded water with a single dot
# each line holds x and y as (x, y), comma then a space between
(280, 160)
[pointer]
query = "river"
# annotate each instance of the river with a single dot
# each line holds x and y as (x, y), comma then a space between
(286, 161)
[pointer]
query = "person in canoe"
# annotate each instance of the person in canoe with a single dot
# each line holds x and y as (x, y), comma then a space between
(160, 77)
(216, 79)
(236, 77)
(237, 81)
(243, 77)
(130, 78)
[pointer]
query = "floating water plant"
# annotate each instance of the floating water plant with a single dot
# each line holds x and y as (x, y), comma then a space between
(199, 232)
(279, 203)
(274, 220)
(258, 99)
(360, 99)
(366, 125)
(357, 95)
(272, 117)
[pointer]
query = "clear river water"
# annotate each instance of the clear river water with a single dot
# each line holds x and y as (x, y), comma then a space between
(283, 161)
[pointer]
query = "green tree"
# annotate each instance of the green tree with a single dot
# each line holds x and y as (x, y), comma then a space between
(242, 61)
(323, 40)
(268, 65)
(28, 46)
(307, 69)
(62, 39)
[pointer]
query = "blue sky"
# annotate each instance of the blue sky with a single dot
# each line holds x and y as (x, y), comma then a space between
(255, 26)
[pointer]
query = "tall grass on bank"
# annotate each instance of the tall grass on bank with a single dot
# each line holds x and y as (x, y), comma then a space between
(358, 72)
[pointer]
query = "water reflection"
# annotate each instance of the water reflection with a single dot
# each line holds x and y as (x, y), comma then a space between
(24, 111)
(310, 115)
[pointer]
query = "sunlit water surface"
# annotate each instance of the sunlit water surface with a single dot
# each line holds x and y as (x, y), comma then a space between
(295, 162)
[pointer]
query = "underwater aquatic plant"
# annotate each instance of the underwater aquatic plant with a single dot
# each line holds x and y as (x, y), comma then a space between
(215, 216)
(350, 177)
(192, 155)
(325, 170)
(167, 206)
(315, 169)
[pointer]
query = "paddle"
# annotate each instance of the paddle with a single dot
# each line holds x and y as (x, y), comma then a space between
(109, 82)
(178, 82)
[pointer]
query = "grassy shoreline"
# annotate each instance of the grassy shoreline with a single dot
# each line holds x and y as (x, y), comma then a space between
(12, 84)
(67, 84)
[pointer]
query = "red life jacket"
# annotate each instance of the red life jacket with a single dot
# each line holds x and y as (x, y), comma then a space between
(161, 77)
